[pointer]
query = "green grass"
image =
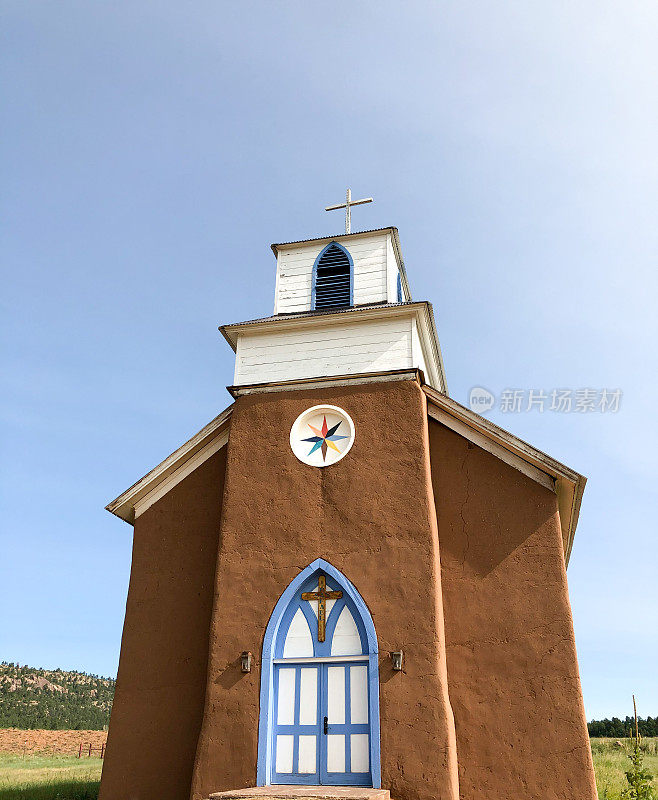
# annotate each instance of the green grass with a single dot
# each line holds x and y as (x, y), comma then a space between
(49, 777)
(611, 762)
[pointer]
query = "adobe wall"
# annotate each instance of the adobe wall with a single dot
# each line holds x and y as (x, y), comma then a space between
(512, 669)
(372, 516)
(158, 706)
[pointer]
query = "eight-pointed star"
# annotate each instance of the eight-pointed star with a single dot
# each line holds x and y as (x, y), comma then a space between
(324, 438)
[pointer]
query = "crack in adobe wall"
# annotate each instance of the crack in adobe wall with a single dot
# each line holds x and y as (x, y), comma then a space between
(464, 469)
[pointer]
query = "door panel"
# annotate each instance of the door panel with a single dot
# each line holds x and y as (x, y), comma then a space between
(284, 749)
(335, 695)
(359, 694)
(286, 709)
(308, 696)
(336, 752)
(360, 752)
(308, 754)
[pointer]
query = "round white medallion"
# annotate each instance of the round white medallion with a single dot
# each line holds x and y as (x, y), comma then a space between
(322, 435)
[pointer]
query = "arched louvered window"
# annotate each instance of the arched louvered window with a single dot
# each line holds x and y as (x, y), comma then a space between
(332, 278)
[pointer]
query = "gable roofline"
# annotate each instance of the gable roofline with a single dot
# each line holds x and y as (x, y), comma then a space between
(156, 483)
(395, 236)
(567, 484)
(353, 234)
(230, 330)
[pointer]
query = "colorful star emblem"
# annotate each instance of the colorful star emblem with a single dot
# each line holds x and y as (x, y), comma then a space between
(324, 438)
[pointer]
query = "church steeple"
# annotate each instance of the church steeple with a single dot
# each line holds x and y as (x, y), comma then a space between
(342, 306)
(330, 541)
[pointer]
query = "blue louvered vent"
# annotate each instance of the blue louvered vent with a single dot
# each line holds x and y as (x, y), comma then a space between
(333, 279)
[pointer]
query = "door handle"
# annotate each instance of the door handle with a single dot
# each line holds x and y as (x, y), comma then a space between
(326, 726)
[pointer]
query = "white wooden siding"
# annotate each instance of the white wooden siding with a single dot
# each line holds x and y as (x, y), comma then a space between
(417, 351)
(370, 255)
(344, 348)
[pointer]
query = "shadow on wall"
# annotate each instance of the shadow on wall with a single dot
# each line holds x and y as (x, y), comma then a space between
(474, 492)
(231, 675)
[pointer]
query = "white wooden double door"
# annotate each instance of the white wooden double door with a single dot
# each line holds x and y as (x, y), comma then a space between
(322, 726)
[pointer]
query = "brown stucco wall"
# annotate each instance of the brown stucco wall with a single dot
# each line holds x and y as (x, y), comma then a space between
(512, 669)
(506, 662)
(158, 706)
(372, 516)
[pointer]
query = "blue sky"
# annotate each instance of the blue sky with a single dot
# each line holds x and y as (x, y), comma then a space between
(153, 151)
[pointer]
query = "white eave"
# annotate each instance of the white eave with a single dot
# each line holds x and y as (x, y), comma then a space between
(422, 310)
(173, 469)
(567, 484)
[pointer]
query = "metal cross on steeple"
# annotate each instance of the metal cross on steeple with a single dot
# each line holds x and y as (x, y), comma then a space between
(347, 206)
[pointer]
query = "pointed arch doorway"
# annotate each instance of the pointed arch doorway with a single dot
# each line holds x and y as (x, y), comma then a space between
(319, 702)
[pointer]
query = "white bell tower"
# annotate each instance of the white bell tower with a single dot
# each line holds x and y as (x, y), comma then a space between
(342, 307)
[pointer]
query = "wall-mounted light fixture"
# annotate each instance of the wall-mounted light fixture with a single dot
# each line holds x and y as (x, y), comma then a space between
(397, 658)
(245, 661)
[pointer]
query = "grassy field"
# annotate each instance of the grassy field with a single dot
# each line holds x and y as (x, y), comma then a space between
(49, 777)
(71, 778)
(611, 762)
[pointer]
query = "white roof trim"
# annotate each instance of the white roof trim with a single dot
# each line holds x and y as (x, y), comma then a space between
(278, 246)
(327, 382)
(491, 446)
(156, 483)
(429, 340)
(232, 330)
(565, 482)
(161, 489)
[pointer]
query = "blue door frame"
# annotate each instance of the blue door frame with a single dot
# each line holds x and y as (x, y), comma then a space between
(272, 644)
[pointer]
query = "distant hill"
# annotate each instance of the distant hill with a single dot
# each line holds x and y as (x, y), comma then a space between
(53, 699)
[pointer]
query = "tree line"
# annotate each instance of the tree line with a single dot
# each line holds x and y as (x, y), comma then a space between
(616, 728)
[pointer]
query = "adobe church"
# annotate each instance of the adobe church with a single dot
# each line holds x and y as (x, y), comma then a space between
(348, 579)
